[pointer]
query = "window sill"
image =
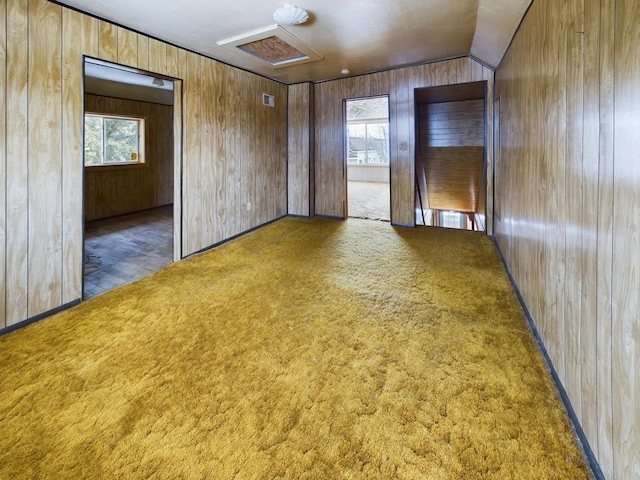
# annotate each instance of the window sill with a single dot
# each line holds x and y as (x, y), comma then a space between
(126, 166)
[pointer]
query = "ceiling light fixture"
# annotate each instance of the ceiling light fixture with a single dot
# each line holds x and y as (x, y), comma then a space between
(291, 15)
(345, 71)
(158, 82)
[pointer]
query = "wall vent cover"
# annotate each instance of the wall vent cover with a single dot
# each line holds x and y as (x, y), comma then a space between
(274, 45)
(268, 100)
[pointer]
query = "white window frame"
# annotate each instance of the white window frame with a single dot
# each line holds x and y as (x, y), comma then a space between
(140, 160)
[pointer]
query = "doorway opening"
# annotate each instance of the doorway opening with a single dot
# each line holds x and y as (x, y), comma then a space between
(451, 163)
(129, 164)
(367, 158)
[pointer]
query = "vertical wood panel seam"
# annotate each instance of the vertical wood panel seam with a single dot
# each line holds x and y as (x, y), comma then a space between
(62, 170)
(603, 36)
(28, 143)
(598, 35)
(4, 159)
(613, 219)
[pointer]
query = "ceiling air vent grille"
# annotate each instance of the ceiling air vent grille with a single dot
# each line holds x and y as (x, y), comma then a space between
(273, 45)
(273, 50)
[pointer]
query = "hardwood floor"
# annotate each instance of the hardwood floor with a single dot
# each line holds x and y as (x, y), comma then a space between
(127, 248)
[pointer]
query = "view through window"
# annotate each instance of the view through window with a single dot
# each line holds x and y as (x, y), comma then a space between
(110, 140)
(368, 130)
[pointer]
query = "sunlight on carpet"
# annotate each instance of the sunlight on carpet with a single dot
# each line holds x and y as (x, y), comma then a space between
(369, 200)
(311, 349)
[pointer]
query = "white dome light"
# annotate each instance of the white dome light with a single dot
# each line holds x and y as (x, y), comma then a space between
(291, 15)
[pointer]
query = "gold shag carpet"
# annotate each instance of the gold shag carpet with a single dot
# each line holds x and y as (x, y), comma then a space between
(307, 349)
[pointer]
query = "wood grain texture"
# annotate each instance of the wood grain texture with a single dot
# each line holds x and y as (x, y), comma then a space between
(453, 177)
(248, 161)
(43, 110)
(143, 52)
(45, 161)
(452, 124)
(402, 158)
(503, 237)
(477, 71)
(108, 42)
(589, 263)
(258, 166)
(234, 160)
(177, 170)
(131, 189)
(191, 162)
(463, 70)
(127, 47)
(272, 173)
(378, 83)
(448, 93)
(488, 76)
(600, 170)
(157, 56)
(230, 146)
(626, 241)
(17, 169)
(299, 149)
(210, 158)
(79, 36)
(531, 249)
(3, 160)
(174, 62)
(576, 334)
(329, 150)
(399, 85)
(568, 197)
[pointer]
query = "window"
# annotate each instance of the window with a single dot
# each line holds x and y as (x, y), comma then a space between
(452, 220)
(113, 140)
(368, 131)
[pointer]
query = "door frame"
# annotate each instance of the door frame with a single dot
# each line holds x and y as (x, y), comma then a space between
(345, 151)
(177, 158)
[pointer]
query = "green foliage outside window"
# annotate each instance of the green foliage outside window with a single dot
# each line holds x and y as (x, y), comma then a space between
(112, 140)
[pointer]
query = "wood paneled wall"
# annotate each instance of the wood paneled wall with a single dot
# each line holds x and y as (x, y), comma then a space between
(301, 149)
(233, 148)
(568, 206)
(452, 124)
(453, 176)
(115, 191)
(399, 85)
(234, 151)
(451, 154)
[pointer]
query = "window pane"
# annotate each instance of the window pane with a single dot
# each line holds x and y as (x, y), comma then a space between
(368, 131)
(452, 220)
(92, 140)
(121, 140)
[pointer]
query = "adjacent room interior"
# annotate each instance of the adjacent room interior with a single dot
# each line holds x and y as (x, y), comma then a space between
(451, 156)
(128, 175)
(367, 158)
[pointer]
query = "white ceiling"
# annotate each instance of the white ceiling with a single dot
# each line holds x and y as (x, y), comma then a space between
(107, 79)
(361, 35)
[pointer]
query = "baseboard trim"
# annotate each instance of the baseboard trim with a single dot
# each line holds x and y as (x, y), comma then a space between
(36, 318)
(235, 236)
(586, 447)
(405, 225)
